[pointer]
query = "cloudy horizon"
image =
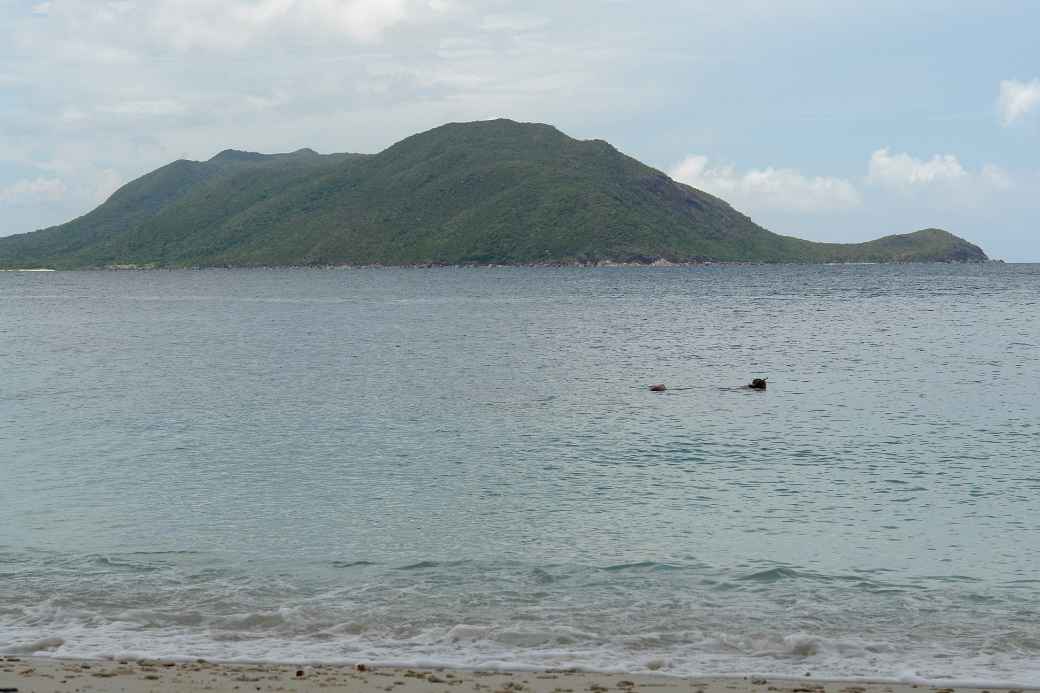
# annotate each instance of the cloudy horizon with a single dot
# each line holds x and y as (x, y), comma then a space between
(827, 121)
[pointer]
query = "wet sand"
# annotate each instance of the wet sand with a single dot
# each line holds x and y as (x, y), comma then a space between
(41, 675)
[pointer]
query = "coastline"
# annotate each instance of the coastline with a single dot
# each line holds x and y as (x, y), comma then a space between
(52, 675)
(658, 263)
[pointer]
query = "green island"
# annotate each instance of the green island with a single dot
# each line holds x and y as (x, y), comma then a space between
(489, 192)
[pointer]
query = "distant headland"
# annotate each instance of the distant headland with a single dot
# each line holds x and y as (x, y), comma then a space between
(489, 192)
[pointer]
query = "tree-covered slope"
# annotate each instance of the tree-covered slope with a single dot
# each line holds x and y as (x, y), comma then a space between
(485, 192)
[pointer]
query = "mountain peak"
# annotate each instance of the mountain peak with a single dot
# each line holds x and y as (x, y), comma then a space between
(232, 155)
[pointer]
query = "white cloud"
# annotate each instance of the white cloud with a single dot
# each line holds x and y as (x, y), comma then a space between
(33, 191)
(232, 24)
(263, 102)
(68, 181)
(769, 188)
(366, 19)
(943, 174)
(904, 171)
(73, 115)
(996, 177)
(512, 22)
(892, 178)
(1017, 99)
(147, 107)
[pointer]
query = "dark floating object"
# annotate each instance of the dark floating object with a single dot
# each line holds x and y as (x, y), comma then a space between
(657, 388)
(758, 384)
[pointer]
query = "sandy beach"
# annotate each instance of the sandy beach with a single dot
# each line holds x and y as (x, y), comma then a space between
(43, 675)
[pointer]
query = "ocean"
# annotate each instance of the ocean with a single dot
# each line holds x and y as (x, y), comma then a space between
(465, 468)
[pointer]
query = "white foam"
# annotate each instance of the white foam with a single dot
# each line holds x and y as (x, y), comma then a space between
(34, 647)
(468, 646)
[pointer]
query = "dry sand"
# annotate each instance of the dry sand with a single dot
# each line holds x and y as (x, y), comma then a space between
(25, 674)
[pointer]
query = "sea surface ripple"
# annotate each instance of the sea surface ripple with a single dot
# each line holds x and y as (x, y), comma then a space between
(464, 467)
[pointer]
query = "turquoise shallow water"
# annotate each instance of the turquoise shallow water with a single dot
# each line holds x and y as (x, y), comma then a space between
(465, 467)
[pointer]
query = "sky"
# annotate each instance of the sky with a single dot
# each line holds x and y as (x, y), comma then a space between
(829, 120)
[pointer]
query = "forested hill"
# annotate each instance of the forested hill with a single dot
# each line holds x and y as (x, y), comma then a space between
(490, 192)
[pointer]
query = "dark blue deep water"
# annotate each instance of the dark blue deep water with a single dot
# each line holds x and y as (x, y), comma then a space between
(465, 467)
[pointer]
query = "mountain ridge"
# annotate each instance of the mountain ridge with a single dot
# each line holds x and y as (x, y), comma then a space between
(488, 192)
